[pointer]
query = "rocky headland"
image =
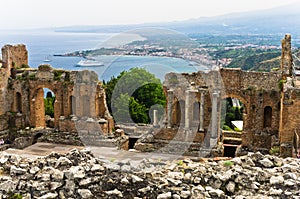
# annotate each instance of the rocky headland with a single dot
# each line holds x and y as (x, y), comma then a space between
(78, 174)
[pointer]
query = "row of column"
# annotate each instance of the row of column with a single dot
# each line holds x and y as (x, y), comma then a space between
(188, 107)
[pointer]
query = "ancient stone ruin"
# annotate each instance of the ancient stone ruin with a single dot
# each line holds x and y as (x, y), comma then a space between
(193, 113)
(79, 105)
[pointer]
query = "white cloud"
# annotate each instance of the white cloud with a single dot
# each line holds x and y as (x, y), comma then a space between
(43, 13)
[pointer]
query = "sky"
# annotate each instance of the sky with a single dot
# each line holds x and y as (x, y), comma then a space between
(18, 14)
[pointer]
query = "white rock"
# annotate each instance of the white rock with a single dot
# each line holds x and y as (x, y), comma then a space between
(136, 179)
(3, 159)
(187, 176)
(8, 186)
(176, 175)
(266, 163)
(17, 171)
(85, 182)
(197, 180)
(63, 161)
(176, 196)
(55, 185)
(124, 181)
(230, 187)
(164, 195)
(226, 176)
(49, 196)
(185, 194)
(75, 172)
(115, 192)
(289, 183)
(97, 167)
(145, 189)
(34, 170)
(275, 192)
(85, 193)
(57, 174)
(276, 180)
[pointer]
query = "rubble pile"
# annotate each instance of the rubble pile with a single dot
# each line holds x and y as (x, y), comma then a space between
(79, 174)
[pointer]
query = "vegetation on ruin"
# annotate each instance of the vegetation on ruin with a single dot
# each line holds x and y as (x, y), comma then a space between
(132, 93)
(228, 163)
(280, 83)
(49, 104)
(275, 150)
(231, 113)
(57, 74)
(15, 196)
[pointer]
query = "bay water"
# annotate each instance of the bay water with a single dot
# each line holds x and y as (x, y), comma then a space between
(43, 44)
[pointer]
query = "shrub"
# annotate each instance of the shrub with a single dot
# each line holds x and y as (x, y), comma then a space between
(274, 150)
(180, 162)
(228, 163)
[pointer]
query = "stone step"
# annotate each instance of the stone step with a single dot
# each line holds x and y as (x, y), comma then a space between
(232, 134)
(92, 141)
(232, 140)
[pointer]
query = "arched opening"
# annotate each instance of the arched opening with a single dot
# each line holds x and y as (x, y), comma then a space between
(49, 100)
(18, 102)
(232, 124)
(267, 117)
(44, 107)
(232, 114)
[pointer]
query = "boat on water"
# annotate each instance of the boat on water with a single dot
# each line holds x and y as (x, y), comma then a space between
(47, 59)
(89, 63)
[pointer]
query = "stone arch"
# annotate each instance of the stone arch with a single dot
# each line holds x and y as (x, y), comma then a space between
(268, 116)
(243, 100)
(245, 107)
(18, 102)
(37, 107)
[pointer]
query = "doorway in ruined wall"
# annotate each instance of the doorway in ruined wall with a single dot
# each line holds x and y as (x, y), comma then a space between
(72, 102)
(232, 123)
(44, 108)
(267, 117)
(18, 102)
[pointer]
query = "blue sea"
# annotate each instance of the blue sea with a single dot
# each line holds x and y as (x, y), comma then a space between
(43, 44)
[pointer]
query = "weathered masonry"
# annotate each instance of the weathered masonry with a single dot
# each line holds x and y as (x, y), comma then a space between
(193, 115)
(79, 97)
(271, 114)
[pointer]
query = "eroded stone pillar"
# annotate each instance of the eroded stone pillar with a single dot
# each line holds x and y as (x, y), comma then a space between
(169, 114)
(201, 118)
(214, 116)
(187, 109)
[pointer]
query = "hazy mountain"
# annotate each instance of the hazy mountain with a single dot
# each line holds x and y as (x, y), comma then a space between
(272, 21)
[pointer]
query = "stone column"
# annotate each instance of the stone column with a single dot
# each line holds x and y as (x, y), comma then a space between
(187, 109)
(214, 116)
(169, 114)
(201, 118)
(155, 122)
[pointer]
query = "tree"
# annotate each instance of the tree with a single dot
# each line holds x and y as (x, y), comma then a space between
(231, 114)
(141, 89)
(49, 105)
